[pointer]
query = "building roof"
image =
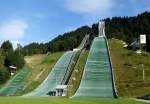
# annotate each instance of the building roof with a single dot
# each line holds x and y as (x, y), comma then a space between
(61, 87)
(13, 67)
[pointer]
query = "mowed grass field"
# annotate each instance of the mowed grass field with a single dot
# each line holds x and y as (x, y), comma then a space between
(18, 100)
(128, 68)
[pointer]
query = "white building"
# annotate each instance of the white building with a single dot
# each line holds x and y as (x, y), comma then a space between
(61, 90)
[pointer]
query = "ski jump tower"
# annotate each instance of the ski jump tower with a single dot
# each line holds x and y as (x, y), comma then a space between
(97, 79)
(101, 28)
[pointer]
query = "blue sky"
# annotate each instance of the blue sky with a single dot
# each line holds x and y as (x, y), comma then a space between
(26, 21)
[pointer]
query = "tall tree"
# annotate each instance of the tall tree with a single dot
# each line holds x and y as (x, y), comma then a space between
(12, 57)
(6, 47)
(1, 58)
(19, 59)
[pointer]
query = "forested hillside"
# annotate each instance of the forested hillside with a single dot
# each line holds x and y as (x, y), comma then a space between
(129, 28)
(124, 28)
(64, 42)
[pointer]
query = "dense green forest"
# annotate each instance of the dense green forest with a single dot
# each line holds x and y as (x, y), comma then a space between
(129, 28)
(124, 28)
(64, 42)
(4, 75)
(9, 57)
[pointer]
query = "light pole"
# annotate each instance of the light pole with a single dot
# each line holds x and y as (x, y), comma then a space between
(143, 73)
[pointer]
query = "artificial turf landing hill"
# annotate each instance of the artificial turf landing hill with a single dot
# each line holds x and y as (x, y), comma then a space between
(97, 79)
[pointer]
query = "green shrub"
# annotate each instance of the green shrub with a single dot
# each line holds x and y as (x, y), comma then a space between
(4, 75)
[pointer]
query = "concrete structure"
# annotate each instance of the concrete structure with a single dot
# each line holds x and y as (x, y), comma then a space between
(13, 69)
(61, 90)
(101, 29)
(76, 49)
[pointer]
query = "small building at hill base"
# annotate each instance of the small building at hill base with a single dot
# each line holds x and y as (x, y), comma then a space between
(12, 69)
(61, 90)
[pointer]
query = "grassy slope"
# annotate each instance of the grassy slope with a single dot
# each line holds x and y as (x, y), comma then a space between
(78, 75)
(42, 64)
(16, 100)
(128, 70)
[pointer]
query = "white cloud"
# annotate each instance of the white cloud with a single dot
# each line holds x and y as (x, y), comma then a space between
(13, 30)
(89, 6)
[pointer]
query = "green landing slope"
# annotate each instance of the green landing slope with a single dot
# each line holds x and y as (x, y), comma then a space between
(55, 77)
(97, 80)
(15, 84)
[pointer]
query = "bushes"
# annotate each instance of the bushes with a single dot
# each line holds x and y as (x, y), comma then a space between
(4, 75)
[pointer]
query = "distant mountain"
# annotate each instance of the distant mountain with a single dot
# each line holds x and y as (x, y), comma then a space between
(124, 28)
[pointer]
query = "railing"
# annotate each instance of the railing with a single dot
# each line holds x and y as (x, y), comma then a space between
(112, 71)
(69, 68)
(74, 60)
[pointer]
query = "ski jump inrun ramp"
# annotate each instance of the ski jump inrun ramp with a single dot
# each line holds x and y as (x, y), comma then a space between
(97, 80)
